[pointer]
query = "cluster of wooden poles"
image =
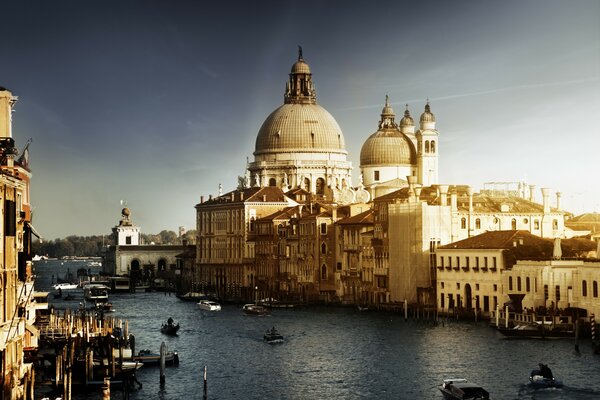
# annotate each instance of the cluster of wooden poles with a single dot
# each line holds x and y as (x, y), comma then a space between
(77, 336)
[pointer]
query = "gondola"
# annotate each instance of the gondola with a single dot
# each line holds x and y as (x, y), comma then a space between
(169, 328)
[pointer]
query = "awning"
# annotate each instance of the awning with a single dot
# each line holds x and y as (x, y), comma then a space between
(35, 233)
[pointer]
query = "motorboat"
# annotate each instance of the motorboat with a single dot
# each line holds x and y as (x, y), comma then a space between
(64, 286)
(543, 378)
(272, 336)
(461, 389)
(255, 309)
(169, 328)
(96, 292)
(147, 357)
(208, 305)
(537, 331)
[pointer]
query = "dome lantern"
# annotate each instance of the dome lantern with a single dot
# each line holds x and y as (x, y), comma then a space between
(427, 120)
(299, 89)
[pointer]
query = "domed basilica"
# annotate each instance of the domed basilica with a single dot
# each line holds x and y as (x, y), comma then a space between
(300, 145)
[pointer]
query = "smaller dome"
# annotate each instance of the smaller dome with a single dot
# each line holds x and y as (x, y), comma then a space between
(300, 67)
(427, 115)
(407, 119)
(388, 147)
(125, 212)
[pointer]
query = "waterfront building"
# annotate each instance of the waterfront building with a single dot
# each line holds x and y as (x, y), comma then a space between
(141, 263)
(225, 255)
(359, 281)
(18, 337)
(488, 270)
(412, 222)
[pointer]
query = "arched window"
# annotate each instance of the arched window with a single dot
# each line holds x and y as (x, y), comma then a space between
(252, 224)
(307, 184)
(272, 182)
(323, 248)
(162, 264)
(595, 289)
(427, 146)
(555, 224)
(433, 146)
(463, 223)
(324, 272)
(584, 288)
(513, 224)
(510, 283)
(320, 186)
(477, 223)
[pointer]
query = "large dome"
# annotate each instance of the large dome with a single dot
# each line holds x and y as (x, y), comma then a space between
(300, 128)
(387, 147)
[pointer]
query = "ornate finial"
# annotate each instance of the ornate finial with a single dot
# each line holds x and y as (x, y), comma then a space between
(220, 190)
(299, 52)
(406, 112)
(427, 108)
(387, 98)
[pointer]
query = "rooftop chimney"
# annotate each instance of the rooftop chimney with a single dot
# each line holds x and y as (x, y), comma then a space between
(558, 195)
(470, 194)
(443, 195)
(532, 193)
(201, 199)
(453, 200)
(546, 199)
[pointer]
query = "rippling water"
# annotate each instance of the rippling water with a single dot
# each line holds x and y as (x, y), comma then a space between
(335, 353)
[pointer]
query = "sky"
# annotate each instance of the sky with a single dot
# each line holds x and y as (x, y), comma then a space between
(153, 104)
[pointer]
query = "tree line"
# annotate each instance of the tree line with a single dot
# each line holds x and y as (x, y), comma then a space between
(92, 246)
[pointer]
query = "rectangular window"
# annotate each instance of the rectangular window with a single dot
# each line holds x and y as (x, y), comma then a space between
(442, 306)
(457, 261)
(495, 287)
(323, 228)
(339, 266)
(545, 292)
(128, 240)
(477, 286)
(376, 175)
(476, 262)
(467, 261)
(557, 294)
(10, 218)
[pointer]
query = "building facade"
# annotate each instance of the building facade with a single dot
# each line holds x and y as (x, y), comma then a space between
(18, 337)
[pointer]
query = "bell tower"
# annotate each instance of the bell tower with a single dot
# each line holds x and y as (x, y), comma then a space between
(427, 149)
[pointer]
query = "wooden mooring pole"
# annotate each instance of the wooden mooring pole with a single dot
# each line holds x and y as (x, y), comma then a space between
(163, 353)
(205, 395)
(106, 389)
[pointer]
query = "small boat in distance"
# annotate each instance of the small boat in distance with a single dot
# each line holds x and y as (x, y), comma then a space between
(543, 378)
(208, 305)
(147, 357)
(272, 336)
(169, 328)
(461, 389)
(254, 309)
(64, 286)
(96, 292)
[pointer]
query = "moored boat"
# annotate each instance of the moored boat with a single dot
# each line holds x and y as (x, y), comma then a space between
(461, 389)
(208, 305)
(147, 357)
(538, 331)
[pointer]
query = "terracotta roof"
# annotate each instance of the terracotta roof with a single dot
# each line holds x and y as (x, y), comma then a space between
(495, 240)
(267, 194)
(364, 218)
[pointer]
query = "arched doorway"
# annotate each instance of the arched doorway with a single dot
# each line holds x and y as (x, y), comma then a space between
(135, 272)
(162, 264)
(468, 297)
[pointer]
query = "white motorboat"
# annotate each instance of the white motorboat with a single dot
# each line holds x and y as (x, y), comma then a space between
(461, 389)
(64, 286)
(208, 305)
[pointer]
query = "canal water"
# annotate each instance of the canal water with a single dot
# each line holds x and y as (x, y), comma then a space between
(333, 353)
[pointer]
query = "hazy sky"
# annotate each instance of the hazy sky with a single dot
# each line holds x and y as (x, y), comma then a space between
(157, 102)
